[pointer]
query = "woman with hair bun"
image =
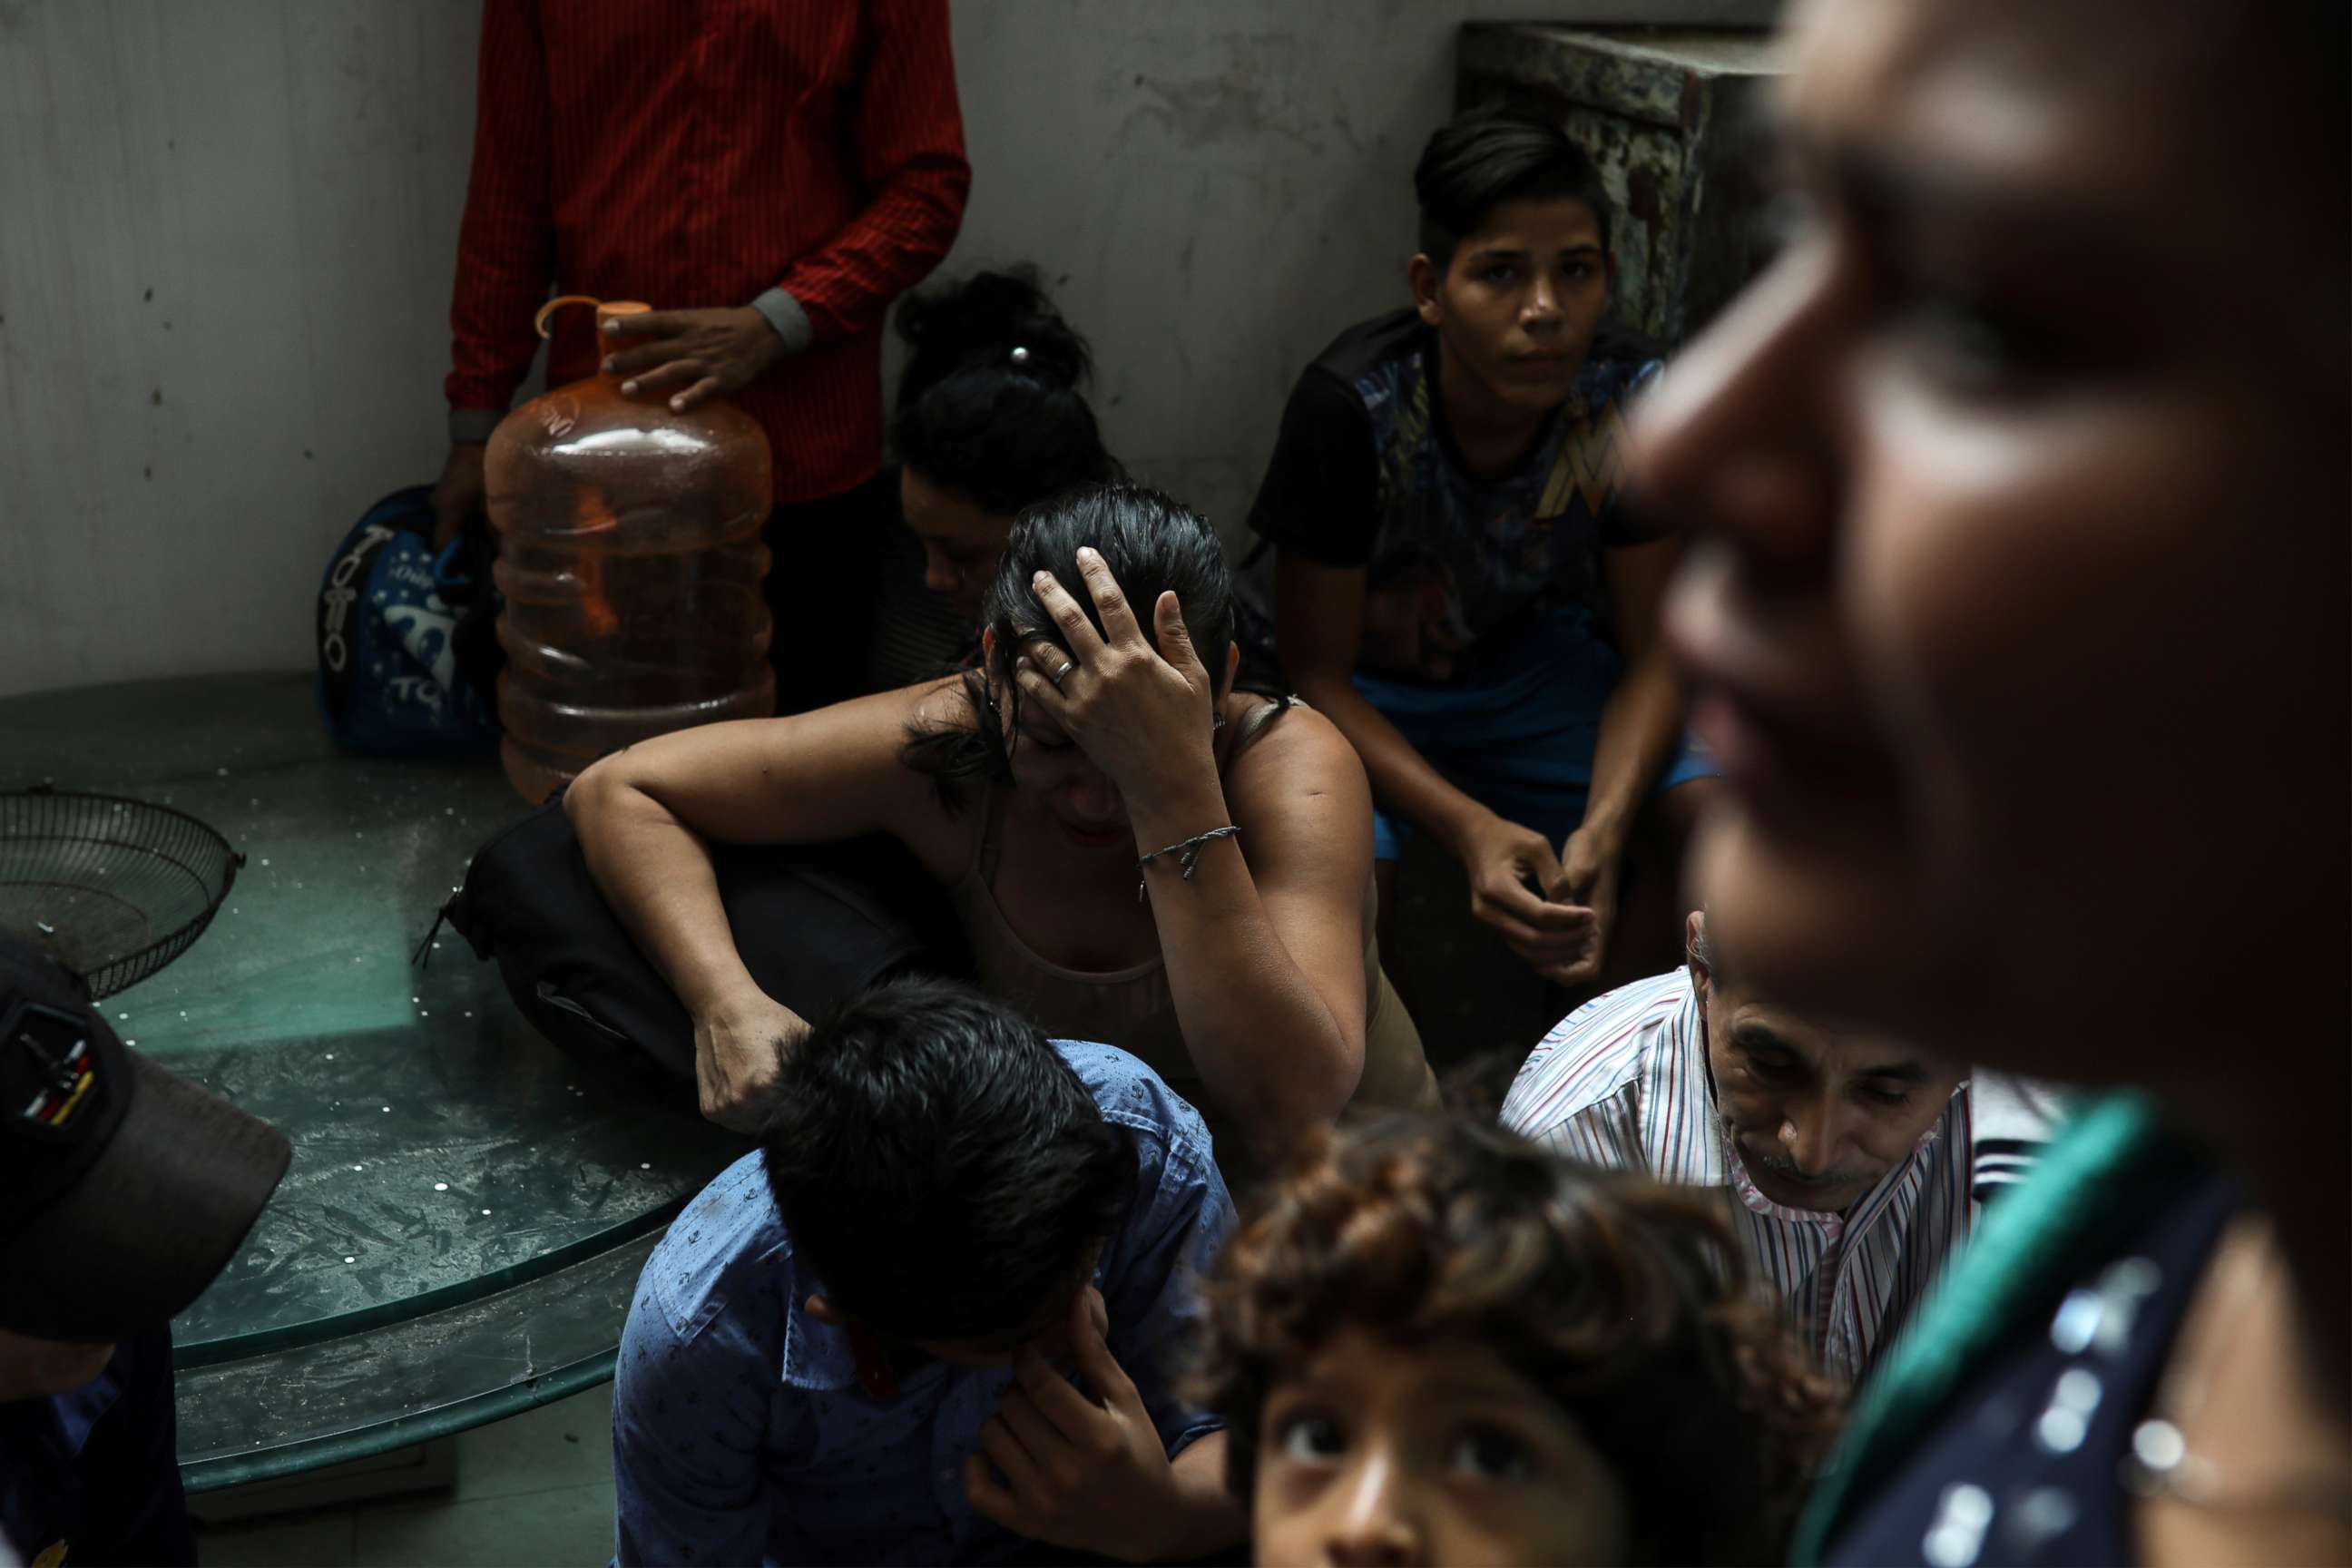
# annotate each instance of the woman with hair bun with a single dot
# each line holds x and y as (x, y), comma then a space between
(989, 420)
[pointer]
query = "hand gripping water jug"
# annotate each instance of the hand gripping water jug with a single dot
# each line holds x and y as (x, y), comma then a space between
(630, 556)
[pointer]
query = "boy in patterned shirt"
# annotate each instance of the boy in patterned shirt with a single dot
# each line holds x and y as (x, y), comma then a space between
(1447, 569)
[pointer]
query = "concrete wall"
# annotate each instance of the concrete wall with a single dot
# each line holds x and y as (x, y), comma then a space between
(226, 234)
(225, 242)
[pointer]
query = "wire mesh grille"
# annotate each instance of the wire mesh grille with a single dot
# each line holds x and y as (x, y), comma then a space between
(114, 889)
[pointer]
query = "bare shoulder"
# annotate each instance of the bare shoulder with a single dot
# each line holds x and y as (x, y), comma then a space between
(1295, 769)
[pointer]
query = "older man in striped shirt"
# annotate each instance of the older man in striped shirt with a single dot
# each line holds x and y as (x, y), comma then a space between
(1852, 1165)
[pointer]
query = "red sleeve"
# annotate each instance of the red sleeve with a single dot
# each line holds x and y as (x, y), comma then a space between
(505, 245)
(908, 132)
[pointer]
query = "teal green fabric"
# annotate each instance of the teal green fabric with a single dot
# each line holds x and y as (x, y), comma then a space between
(2103, 1171)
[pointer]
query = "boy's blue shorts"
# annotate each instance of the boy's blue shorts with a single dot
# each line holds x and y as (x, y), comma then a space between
(1518, 737)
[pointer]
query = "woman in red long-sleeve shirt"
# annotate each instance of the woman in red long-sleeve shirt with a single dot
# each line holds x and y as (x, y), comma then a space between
(769, 174)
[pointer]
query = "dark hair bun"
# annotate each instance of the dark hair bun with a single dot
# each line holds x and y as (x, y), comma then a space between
(981, 321)
(990, 403)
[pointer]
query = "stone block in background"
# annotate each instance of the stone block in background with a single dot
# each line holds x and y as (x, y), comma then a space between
(1670, 117)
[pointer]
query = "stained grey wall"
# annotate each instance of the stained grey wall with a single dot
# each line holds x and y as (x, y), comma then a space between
(226, 234)
(225, 238)
(1224, 185)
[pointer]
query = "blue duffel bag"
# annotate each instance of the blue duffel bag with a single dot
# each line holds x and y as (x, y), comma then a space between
(394, 619)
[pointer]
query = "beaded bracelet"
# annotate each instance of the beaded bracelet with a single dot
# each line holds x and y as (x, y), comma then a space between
(1188, 854)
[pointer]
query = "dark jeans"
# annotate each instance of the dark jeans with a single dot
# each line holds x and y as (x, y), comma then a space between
(821, 577)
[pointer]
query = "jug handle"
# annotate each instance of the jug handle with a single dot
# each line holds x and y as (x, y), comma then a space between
(538, 323)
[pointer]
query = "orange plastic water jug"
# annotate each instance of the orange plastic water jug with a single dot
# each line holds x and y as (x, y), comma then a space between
(630, 556)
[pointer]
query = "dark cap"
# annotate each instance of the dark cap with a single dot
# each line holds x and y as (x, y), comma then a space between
(124, 1189)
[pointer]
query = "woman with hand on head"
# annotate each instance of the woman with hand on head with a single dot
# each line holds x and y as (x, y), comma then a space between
(2017, 610)
(1139, 854)
(990, 421)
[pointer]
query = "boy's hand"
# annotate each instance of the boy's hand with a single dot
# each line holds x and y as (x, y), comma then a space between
(1589, 865)
(1088, 1474)
(1559, 941)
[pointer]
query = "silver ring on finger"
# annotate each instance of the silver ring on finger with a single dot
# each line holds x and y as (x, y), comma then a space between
(1060, 675)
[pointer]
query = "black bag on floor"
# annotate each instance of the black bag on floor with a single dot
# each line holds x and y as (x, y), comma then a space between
(816, 924)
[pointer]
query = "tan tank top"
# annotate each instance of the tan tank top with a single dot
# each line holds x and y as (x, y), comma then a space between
(1134, 1008)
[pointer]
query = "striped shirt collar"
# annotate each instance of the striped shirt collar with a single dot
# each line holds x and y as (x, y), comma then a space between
(1679, 1123)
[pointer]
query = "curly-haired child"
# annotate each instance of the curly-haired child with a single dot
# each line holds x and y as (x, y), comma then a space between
(1439, 1343)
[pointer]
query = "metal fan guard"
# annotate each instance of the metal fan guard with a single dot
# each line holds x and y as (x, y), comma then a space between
(114, 889)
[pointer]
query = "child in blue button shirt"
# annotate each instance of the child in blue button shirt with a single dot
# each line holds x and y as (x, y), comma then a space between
(857, 1345)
